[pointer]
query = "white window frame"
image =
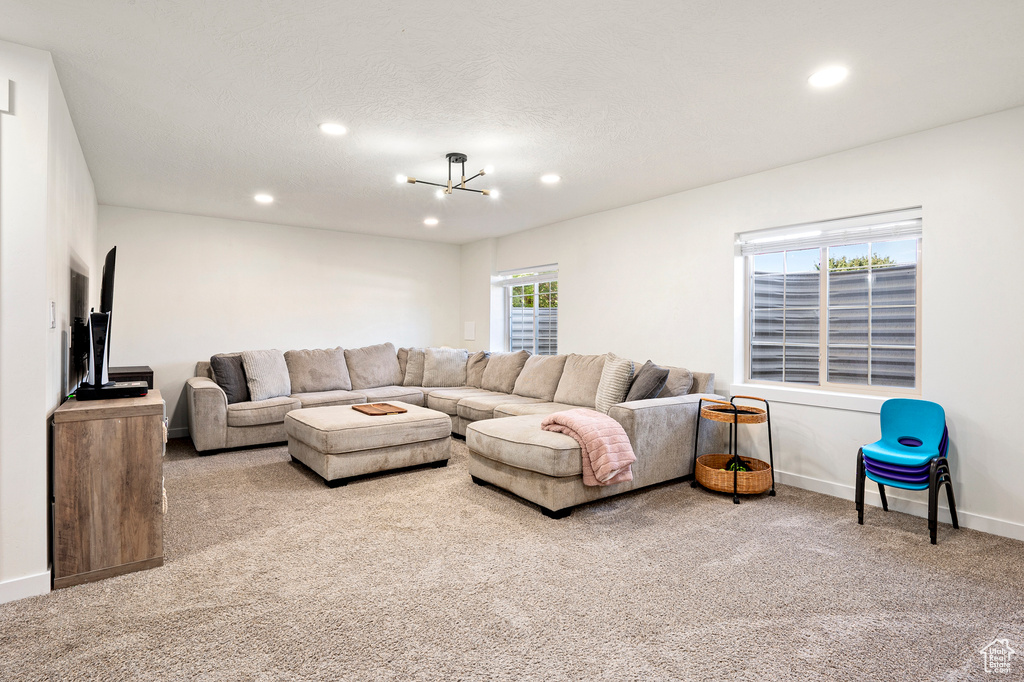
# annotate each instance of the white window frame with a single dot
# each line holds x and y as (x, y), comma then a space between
(903, 224)
(509, 279)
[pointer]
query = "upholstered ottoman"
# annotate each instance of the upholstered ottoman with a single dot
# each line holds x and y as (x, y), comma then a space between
(340, 443)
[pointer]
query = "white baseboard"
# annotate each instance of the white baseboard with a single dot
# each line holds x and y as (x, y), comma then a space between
(20, 588)
(178, 432)
(985, 524)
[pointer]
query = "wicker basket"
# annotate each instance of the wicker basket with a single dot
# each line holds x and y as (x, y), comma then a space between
(711, 474)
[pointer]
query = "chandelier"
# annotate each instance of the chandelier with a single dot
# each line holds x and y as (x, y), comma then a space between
(454, 158)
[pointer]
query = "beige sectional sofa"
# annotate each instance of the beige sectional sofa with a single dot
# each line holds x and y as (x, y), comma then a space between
(495, 400)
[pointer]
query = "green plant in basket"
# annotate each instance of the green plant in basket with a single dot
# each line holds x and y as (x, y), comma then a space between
(733, 466)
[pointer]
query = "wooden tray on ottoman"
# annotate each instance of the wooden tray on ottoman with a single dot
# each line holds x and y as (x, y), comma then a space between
(379, 409)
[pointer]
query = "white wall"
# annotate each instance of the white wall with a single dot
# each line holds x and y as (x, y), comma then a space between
(47, 209)
(189, 287)
(656, 280)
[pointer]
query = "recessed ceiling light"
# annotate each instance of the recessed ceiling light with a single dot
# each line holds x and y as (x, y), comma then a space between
(264, 199)
(333, 128)
(550, 178)
(430, 222)
(829, 76)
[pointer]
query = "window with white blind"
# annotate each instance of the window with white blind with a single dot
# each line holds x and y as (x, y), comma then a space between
(835, 304)
(531, 310)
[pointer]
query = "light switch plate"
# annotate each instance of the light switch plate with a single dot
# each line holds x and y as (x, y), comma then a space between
(5, 95)
(53, 314)
(469, 333)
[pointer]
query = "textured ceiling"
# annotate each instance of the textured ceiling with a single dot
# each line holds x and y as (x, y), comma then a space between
(193, 106)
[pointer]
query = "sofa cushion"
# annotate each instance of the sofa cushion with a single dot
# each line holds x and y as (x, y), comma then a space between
(578, 385)
(475, 366)
(318, 370)
(519, 409)
(403, 359)
(482, 406)
(445, 367)
(447, 399)
(259, 412)
(414, 368)
(539, 377)
(679, 382)
(373, 366)
(650, 379)
(229, 374)
(616, 378)
(325, 398)
(403, 394)
(502, 370)
(338, 430)
(520, 442)
(266, 374)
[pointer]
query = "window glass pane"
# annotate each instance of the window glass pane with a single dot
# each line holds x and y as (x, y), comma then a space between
(544, 287)
(545, 301)
(767, 325)
(766, 362)
(893, 367)
(517, 291)
(802, 290)
(528, 288)
(801, 364)
(805, 260)
(894, 285)
(554, 286)
(887, 254)
(848, 365)
(848, 287)
(848, 326)
(851, 257)
(768, 263)
(893, 326)
(768, 291)
(802, 327)
(517, 302)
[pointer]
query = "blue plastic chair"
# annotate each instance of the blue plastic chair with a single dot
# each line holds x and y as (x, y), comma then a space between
(911, 455)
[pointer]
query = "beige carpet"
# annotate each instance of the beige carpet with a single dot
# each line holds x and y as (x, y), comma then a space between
(422, 575)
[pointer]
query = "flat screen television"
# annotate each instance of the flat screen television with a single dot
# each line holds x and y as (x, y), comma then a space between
(78, 343)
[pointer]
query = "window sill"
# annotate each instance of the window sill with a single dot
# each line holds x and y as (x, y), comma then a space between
(854, 402)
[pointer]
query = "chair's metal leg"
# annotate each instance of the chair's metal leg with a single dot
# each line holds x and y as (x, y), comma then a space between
(771, 455)
(736, 460)
(885, 502)
(860, 487)
(933, 500)
(949, 494)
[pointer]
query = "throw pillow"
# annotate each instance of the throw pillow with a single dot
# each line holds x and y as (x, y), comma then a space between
(540, 375)
(680, 381)
(648, 383)
(373, 366)
(318, 370)
(578, 385)
(475, 367)
(266, 374)
(502, 370)
(444, 367)
(414, 368)
(230, 376)
(616, 377)
(403, 359)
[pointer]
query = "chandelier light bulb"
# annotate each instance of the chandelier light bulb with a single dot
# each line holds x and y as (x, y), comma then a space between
(488, 170)
(401, 179)
(439, 194)
(493, 193)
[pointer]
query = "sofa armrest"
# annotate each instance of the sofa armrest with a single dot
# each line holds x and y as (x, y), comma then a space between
(207, 413)
(662, 431)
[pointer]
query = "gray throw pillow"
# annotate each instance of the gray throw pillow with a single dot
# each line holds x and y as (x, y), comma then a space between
(502, 370)
(680, 381)
(266, 374)
(373, 366)
(540, 375)
(578, 385)
(475, 367)
(311, 371)
(616, 377)
(444, 367)
(403, 359)
(230, 376)
(648, 383)
(414, 367)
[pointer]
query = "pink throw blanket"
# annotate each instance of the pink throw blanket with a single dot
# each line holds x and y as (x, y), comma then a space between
(607, 454)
